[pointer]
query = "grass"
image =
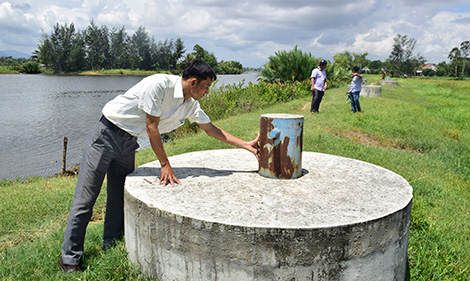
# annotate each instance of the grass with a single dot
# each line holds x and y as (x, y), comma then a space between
(419, 129)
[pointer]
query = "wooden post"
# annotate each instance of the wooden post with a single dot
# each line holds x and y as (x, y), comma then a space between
(64, 156)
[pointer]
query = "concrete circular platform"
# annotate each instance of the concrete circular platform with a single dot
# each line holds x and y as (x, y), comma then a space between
(388, 82)
(343, 219)
(371, 91)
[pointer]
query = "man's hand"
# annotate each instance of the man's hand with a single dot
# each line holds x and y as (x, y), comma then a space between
(168, 176)
(253, 147)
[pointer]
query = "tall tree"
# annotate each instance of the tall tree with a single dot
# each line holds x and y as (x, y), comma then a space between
(454, 57)
(200, 53)
(360, 59)
(178, 51)
(97, 43)
(119, 48)
(45, 51)
(76, 60)
(164, 54)
(343, 60)
(62, 39)
(401, 59)
(141, 43)
(464, 51)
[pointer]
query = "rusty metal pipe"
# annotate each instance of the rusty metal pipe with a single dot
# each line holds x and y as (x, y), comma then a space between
(281, 146)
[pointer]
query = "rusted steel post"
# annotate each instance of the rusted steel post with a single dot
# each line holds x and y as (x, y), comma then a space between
(281, 146)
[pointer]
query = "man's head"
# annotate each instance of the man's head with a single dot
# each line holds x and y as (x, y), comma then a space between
(197, 79)
(322, 64)
(355, 69)
(199, 70)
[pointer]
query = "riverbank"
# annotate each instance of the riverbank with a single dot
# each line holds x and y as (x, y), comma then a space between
(120, 72)
(94, 72)
(407, 131)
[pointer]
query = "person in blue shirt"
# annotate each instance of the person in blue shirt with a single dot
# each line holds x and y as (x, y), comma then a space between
(355, 90)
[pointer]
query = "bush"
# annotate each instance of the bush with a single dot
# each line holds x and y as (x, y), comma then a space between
(337, 76)
(31, 67)
(288, 66)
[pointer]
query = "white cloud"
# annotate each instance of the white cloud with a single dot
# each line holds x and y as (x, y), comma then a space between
(250, 31)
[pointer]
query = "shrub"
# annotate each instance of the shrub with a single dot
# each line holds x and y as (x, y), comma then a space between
(288, 66)
(31, 67)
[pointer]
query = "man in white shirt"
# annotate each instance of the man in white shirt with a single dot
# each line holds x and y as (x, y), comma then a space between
(158, 104)
(318, 79)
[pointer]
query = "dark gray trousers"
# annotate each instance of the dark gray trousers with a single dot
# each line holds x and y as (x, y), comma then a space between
(106, 152)
(317, 96)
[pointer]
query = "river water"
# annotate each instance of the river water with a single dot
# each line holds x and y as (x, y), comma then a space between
(38, 111)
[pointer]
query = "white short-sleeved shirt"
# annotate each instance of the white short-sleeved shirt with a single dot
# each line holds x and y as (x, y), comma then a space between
(159, 95)
(356, 84)
(320, 77)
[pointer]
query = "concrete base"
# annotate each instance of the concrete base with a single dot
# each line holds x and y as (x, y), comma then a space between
(371, 91)
(343, 219)
(388, 83)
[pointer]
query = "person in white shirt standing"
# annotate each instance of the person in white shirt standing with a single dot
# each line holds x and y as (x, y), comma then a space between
(158, 104)
(318, 79)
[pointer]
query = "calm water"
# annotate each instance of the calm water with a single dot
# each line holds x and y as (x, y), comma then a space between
(37, 111)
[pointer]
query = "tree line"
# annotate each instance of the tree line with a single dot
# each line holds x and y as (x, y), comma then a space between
(67, 49)
(403, 61)
(295, 65)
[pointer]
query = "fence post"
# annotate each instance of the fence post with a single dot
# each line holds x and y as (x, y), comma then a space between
(64, 157)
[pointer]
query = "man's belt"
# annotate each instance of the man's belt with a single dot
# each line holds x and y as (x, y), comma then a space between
(118, 131)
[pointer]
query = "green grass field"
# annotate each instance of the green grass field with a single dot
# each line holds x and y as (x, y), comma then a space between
(418, 129)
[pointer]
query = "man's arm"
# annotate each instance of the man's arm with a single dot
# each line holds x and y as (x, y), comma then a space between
(167, 174)
(222, 135)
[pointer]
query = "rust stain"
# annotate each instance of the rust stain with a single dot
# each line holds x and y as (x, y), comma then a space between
(274, 157)
(264, 154)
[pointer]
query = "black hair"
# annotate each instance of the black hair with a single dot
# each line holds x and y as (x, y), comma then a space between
(356, 69)
(199, 70)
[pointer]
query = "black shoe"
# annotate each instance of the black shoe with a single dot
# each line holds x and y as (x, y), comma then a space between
(107, 246)
(69, 268)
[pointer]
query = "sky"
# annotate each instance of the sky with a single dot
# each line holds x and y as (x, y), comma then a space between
(251, 31)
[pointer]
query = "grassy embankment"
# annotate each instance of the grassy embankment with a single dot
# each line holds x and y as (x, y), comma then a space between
(419, 130)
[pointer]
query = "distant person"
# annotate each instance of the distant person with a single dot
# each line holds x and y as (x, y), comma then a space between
(355, 90)
(158, 104)
(384, 73)
(318, 79)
